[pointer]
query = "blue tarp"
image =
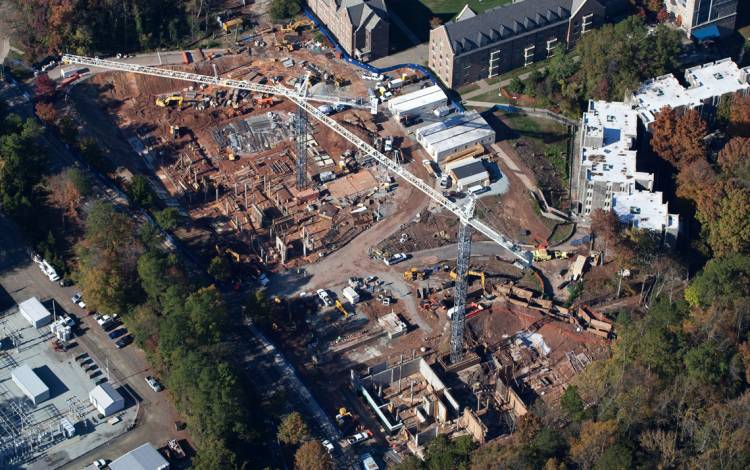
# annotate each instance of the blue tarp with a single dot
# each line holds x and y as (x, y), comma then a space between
(706, 32)
(344, 55)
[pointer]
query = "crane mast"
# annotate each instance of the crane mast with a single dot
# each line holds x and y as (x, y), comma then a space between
(304, 102)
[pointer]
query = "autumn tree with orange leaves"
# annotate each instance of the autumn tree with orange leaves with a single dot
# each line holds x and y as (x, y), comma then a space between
(678, 139)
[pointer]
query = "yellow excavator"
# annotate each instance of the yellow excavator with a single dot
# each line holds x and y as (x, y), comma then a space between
(166, 101)
(294, 26)
(340, 308)
(414, 274)
(235, 256)
(479, 274)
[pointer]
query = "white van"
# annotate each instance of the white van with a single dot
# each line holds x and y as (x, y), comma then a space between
(478, 189)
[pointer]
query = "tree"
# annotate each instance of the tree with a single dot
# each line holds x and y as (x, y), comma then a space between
(594, 440)
(169, 218)
(445, 454)
(606, 225)
(46, 112)
(734, 157)
(516, 86)
(435, 22)
(220, 268)
(93, 154)
(312, 456)
(292, 430)
(699, 182)
(739, 116)
(141, 193)
(679, 139)
(284, 9)
(731, 232)
(707, 363)
(572, 404)
(44, 87)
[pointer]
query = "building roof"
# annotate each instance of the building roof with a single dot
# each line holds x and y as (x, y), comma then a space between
(644, 210)
(105, 395)
(472, 168)
(504, 22)
(459, 129)
(418, 99)
(33, 308)
(706, 81)
(364, 12)
(610, 130)
(28, 381)
(144, 457)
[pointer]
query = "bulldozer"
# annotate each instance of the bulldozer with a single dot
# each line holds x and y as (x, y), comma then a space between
(414, 274)
(166, 101)
(480, 274)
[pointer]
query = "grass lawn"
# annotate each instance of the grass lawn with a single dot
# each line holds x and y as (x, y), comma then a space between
(490, 97)
(543, 145)
(417, 13)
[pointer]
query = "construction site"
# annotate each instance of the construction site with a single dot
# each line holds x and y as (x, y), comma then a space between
(430, 290)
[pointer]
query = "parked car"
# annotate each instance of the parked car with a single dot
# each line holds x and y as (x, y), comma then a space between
(154, 384)
(328, 446)
(117, 333)
(78, 300)
(359, 437)
(324, 297)
(395, 259)
(111, 325)
(124, 341)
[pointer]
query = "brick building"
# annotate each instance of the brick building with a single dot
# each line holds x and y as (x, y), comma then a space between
(360, 26)
(473, 47)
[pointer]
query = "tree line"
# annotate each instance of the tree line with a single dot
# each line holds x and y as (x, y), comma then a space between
(605, 64)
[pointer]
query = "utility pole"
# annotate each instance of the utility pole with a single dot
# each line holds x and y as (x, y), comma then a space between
(458, 319)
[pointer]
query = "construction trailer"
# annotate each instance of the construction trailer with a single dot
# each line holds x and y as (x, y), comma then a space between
(468, 173)
(418, 102)
(459, 132)
(30, 384)
(144, 457)
(351, 295)
(35, 313)
(106, 399)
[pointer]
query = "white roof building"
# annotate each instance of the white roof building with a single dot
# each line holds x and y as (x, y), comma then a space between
(456, 133)
(106, 399)
(30, 384)
(417, 102)
(707, 84)
(144, 457)
(36, 313)
(646, 210)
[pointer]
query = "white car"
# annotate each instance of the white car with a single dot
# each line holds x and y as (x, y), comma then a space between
(78, 300)
(154, 384)
(359, 437)
(324, 297)
(328, 446)
(395, 259)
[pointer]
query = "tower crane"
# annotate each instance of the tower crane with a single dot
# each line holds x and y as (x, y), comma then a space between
(304, 102)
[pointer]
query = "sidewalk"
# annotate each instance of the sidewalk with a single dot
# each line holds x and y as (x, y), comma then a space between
(485, 87)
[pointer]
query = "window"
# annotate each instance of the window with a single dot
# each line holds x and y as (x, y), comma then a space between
(528, 55)
(494, 63)
(551, 47)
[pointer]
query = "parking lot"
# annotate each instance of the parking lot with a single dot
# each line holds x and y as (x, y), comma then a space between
(20, 279)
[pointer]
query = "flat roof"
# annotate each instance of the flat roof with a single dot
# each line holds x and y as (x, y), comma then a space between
(455, 131)
(144, 457)
(413, 95)
(644, 209)
(34, 309)
(706, 81)
(28, 381)
(434, 97)
(472, 168)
